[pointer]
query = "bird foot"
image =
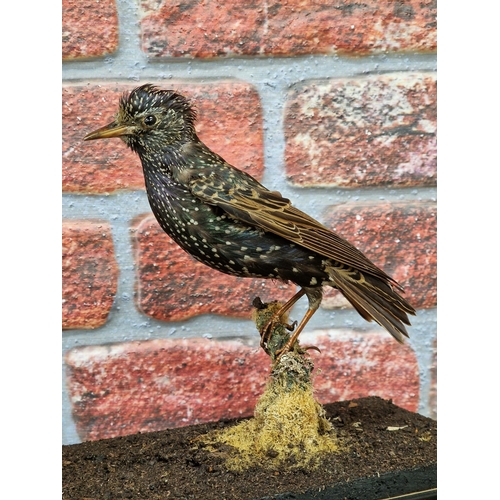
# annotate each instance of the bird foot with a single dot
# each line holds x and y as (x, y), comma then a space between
(287, 348)
(269, 328)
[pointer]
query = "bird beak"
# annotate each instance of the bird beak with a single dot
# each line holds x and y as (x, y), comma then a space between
(110, 130)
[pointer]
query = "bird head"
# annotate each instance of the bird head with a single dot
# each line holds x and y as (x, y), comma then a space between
(150, 119)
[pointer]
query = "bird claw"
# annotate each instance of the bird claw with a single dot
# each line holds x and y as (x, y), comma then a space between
(287, 348)
(264, 338)
(309, 347)
(265, 335)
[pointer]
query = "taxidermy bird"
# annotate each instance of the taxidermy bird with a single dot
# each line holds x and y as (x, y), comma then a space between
(230, 222)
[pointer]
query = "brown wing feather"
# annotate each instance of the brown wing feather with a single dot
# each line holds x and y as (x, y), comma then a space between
(251, 202)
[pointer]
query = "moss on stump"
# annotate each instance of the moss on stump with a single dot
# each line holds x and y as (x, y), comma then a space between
(289, 427)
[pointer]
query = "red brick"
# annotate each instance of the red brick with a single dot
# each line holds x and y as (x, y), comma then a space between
(354, 364)
(399, 237)
(89, 28)
(172, 286)
(371, 131)
(89, 275)
(213, 28)
(230, 122)
(146, 386)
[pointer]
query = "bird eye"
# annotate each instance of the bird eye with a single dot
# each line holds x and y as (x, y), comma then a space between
(150, 120)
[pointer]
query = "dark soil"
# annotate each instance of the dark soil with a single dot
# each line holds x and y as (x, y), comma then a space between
(375, 462)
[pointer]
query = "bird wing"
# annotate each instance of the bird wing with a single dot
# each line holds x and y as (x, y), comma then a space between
(245, 199)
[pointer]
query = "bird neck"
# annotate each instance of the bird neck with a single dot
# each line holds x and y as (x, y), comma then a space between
(185, 159)
(175, 160)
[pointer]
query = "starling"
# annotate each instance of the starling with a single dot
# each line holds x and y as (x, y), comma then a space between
(227, 220)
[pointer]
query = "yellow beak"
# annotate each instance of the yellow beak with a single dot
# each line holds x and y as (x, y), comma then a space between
(110, 130)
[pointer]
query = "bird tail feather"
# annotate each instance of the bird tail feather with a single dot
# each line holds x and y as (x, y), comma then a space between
(374, 299)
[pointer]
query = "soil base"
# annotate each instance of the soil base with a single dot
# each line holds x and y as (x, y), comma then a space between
(386, 451)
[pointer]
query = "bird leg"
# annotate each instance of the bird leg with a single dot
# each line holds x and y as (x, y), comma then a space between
(314, 295)
(288, 346)
(268, 328)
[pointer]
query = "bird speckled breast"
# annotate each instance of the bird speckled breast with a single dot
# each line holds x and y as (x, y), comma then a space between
(225, 244)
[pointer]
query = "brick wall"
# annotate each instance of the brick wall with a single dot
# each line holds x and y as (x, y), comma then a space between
(332, 104)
